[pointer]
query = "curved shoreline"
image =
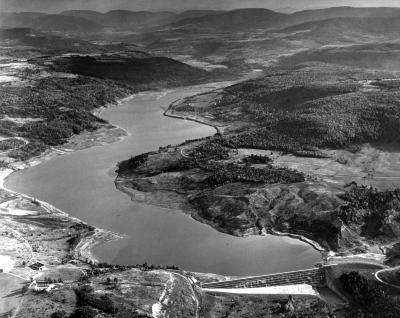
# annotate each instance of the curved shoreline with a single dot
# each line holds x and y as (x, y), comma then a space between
(302, 238)
(169, 110)
(83, 250)
(86, 245)
(250, 232)
(313, 244)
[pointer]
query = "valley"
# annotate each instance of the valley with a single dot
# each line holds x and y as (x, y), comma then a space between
(145, 155)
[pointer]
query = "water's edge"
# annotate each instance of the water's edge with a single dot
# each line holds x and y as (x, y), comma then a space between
(101, 236)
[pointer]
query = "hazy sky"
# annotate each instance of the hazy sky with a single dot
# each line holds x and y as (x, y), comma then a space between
(178, 5)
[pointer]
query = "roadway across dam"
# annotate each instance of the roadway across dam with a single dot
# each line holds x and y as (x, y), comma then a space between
(312, 276)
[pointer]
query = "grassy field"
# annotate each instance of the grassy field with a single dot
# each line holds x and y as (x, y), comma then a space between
(10, 293)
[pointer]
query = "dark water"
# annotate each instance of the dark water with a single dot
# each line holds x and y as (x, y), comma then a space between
(82, 184)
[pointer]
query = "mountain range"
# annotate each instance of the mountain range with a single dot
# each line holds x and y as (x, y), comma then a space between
(262, 18)
(254, 18)
(351, 30)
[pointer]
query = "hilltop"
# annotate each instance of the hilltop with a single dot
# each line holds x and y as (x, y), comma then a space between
(264, 18)
(236, 19)
(190, 14)
(27, 42)
(137, 68)
(344, 30)
(48, 22)
(124, 19)
(65, 24)
(343, 12)
(19, 20)
(378, 56)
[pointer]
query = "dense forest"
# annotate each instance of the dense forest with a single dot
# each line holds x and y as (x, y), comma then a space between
(307, 107)
(133, 68)
(57, 108)
(369, 298)
(64, 90)
(377, 213)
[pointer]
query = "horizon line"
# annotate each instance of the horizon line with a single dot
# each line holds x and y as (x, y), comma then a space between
(216, 10)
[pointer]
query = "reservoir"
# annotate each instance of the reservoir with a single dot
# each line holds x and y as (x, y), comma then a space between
(82, 184)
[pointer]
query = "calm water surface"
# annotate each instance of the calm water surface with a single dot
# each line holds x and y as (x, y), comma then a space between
(82, 184)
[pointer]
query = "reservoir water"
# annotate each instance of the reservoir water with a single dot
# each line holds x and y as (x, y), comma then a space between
(82, 184)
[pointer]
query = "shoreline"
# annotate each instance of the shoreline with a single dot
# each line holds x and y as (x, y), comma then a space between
(313, 244)
(86, 244)
(213, 86)
(119, 182)
(302, 238)
(169, 113)
(84, 249)
(85, 140)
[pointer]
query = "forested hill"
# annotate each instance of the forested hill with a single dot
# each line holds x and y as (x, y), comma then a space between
(131, 68)
(309, 107)
(236, 19)
(65, 24)
(374, 56)
(343, 12)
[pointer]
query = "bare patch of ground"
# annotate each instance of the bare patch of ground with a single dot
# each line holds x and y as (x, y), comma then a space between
(373, 165)
(10, 293)
(235, 306)
(20, 120)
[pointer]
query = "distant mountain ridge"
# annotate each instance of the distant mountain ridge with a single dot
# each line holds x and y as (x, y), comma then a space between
(58, 22)
(251, 18)
(377, 56)
(260, 18)
(345, 29)
(93, 16)
(124, 18)
(118, 18)
(343, 12)
(39, 41)
(18, 20)
(189, 14)
(247, 18)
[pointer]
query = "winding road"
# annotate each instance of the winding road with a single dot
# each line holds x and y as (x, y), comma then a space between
(387, 270)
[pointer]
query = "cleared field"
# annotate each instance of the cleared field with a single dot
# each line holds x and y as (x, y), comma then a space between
(66, 273)
(372, 165)
(10, 293)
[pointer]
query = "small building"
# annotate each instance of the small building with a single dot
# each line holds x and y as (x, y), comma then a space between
(42, 283)
(39, 286)
(36, 266)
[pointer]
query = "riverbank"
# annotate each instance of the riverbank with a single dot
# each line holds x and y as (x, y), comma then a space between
(175, 171)
(170, 113)
(87, 237)
(163, 199)
(16, 206)
(104, 134)
(147, 129)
